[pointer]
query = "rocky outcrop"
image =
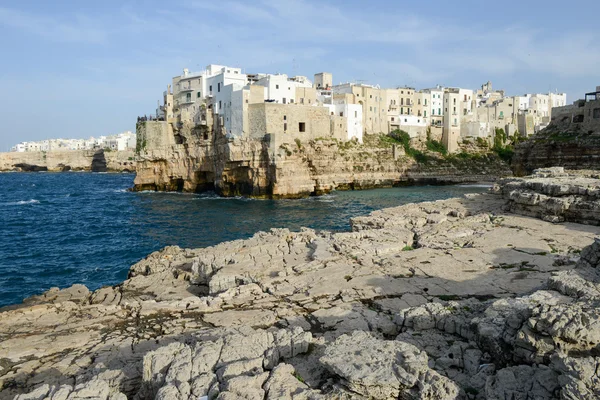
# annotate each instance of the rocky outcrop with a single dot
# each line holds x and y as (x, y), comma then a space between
(563, 143)
(454, 299)
(555, 195)
(274, 169)
(69, 160)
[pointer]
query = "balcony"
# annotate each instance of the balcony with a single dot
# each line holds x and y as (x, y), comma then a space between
(186, 89)
(187, 101)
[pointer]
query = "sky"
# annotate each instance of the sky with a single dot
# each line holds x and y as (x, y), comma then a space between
(78, 68)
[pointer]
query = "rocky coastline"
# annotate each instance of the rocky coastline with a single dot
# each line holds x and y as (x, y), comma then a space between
(490, 296)
(68, 160)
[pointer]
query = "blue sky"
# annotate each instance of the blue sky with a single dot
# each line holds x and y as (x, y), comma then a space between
(82, 68)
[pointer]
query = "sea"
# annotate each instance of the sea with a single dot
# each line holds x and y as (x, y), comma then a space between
(58, 229)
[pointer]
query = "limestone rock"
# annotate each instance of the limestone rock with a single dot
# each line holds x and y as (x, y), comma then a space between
(385, 369)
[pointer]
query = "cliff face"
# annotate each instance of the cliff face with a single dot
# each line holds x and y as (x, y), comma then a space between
(274, 168)
(71, 160)
(561, 144)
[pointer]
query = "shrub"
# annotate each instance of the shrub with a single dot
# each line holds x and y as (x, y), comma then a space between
(435, 146)
(403, 138)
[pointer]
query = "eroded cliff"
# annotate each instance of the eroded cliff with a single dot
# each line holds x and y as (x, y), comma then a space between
(69, 160)
(563, 143)
(194, 160)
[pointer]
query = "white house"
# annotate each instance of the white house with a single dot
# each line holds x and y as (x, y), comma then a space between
(281, 89)
(354, 115)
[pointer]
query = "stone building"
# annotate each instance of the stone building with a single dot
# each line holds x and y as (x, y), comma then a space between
(584, 112)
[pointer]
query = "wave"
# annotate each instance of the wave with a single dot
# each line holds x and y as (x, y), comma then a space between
(22, 202)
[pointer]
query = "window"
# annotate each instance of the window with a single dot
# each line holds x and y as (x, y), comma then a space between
(302, 126)
(355, 114)
(425, 101)
(291, 101)
(219, 105)
(405, 120)
(276, 86)
(285, 127)
(342, 114)
(439, 111)
(370, 108)
(419, 101)
(301, 100)
(402, 101)
(219, 87)
(285, 117)
(284, 101)
(596, 114)
(198, 94)
(392, 119)
(371, 96)
(210, 88)
(425, 114)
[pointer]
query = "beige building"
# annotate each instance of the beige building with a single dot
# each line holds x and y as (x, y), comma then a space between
(374, 104)
(285, 123)
(323, 80)
(452, 115)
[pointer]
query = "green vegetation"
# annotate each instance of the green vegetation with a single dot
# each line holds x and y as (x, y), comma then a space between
(448, 297)
(481, 142)
(434, 145)
(287, 151)
(403, 138)
(298, 143)
(297, 376)
(504, 150)
(408, 248)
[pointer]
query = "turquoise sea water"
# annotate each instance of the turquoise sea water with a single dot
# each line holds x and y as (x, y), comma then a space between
(58, 229)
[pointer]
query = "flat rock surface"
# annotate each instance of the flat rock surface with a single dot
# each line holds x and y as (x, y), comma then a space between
(438, 300)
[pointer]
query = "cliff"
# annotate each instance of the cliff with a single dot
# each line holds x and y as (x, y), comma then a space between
(564, 143)
(454, 299)
(193, 160)
(69, 160)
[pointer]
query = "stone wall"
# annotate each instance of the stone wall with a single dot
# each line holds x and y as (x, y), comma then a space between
(69, 160)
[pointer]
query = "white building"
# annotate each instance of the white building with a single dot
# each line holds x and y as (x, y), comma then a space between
(281, 89)
(120, 142)
(414, 125)
(437, 104)
(354, 115)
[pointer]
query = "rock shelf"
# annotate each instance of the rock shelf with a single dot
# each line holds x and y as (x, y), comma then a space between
(457, 299)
